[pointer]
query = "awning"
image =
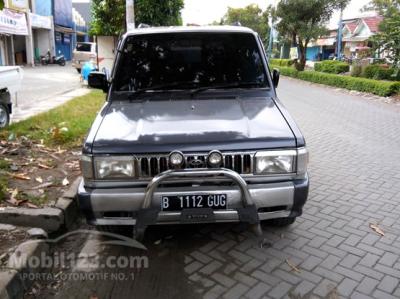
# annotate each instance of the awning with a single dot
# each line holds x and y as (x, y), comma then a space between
(330, 41)
(364, 48)
(41, 22)
(13, 22)
(63, 29)
(81, 33)
(355, 39)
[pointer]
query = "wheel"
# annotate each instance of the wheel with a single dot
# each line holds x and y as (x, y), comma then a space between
(62, 62)
(280, 222)
(78, 70)
(4, 116)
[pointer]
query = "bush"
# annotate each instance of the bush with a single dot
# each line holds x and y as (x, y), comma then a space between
(331, 66)
(356, 70)
(281, 62)
(380, 72)
(381, 88)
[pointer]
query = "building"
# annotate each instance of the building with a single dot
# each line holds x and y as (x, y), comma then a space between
(63, 27)
(26, 31)
(323, 47)
(14, 33)
(355, 41)
(356, 34)
(42, 29)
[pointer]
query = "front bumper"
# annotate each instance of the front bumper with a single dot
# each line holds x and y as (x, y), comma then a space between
(246, 202)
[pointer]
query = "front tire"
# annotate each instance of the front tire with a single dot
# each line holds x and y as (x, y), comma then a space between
(4, 116)
(280, 222)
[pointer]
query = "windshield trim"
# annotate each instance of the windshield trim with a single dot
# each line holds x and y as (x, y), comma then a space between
(259, 47)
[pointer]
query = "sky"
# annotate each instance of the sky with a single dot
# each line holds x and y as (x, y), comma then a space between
(204, 12)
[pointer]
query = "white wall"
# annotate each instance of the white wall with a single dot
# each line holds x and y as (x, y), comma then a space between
(42, 40)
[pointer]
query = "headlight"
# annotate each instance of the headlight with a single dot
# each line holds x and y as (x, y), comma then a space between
(215, 159)
(114, 167)
(275, 162)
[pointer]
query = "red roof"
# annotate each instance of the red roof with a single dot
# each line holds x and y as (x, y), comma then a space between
(352, 25)
(373, 23)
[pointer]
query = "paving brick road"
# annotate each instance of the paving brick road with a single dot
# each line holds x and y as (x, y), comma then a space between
(330, 252)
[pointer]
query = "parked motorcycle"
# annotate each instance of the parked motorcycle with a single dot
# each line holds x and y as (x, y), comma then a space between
(48, 59)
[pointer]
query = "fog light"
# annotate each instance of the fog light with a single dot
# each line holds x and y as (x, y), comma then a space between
(176, 159)
(215, 158)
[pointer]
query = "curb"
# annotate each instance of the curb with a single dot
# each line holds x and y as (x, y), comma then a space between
(15, 278)
(50, 219)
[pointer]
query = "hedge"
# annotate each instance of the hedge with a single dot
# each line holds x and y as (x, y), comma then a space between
(331, 66)
(381, 88)
(281, 62)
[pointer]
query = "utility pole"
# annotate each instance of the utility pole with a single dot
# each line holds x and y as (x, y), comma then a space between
(271, 33)
(271, 40)
(130, 15)
(339, 36)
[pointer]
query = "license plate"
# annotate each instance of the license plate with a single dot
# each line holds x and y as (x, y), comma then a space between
(181, 202)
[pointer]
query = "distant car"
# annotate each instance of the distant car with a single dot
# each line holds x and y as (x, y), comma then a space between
(10, 83)
(192, 132)
(83, 52)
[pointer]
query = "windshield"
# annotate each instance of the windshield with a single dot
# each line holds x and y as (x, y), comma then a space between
(83, 47)
(187, 60)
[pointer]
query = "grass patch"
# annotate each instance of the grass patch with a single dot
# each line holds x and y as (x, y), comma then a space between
(381, 88)
(4, 165)
(3, 186)
(63, 126)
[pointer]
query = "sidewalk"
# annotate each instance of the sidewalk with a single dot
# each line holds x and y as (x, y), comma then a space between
(43, 106)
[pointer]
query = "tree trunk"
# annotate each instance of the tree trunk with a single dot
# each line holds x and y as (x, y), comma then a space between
(301, 63)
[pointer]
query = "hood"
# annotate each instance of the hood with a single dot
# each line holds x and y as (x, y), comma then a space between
(192, 125)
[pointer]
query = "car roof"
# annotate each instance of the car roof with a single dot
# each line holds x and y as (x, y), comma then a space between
(180, 29)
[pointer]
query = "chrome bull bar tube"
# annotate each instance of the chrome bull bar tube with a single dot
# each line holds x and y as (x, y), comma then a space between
(196, 173)
(148, 215)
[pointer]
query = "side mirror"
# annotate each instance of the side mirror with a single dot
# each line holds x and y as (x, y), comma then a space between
(98, 80)
(275, 77)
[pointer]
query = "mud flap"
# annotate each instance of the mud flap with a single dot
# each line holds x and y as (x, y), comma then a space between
(144, 218)
(248, 214)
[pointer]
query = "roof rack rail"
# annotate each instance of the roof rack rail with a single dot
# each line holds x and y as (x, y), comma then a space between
(143, 25)
(237, 23)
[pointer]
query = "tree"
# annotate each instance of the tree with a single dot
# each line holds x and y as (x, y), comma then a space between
(250, 16)
(304, 20)
(108, 16)
(388, 37)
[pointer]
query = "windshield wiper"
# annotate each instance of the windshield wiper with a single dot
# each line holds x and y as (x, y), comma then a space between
(228, 85)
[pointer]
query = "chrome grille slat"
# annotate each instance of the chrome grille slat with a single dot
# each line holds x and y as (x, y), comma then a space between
(151, 165)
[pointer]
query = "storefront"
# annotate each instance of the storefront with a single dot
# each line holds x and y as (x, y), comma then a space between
(13, 37)
(63, 27)
(43, 35)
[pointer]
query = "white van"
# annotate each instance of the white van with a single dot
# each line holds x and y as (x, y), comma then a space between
(83, 52)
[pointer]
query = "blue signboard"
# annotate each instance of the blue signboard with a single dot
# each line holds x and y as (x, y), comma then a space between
(43, 7)
(63, 13)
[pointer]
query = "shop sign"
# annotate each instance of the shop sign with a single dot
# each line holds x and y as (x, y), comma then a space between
(38, 21)
(18, 4)
(13, 22)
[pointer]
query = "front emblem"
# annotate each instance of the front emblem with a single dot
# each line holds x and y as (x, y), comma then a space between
(196, 163)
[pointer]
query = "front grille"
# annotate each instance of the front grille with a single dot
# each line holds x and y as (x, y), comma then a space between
(150, 166)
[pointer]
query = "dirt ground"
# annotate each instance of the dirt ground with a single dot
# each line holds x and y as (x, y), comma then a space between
(33, 175)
